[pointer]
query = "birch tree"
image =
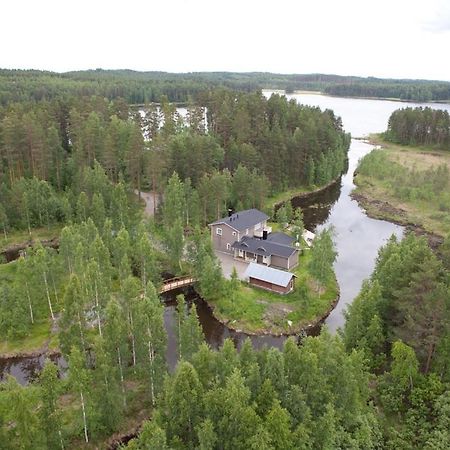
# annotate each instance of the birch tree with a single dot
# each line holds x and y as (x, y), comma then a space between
(80, 380)
(50, 416)
(116, 339)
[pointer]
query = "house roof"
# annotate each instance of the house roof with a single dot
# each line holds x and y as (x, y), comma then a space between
(242, 219)
(268, 274)
(280, 238)
(263, 247)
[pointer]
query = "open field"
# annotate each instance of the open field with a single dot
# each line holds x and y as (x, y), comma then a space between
(406, 185)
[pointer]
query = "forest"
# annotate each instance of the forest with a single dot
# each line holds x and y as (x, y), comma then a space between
(144, 87)
(420, 126)
(77, 163)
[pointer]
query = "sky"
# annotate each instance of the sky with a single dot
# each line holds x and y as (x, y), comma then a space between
(382, 38)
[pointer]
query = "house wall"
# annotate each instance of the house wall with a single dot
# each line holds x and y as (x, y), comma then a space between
(269, 286)
(293, 259)
(278, 261)
(220, 242)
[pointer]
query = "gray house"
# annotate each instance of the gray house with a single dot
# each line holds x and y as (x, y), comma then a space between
(246, 236)
(225, 232)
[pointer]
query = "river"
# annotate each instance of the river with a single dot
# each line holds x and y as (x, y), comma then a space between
(357, 237)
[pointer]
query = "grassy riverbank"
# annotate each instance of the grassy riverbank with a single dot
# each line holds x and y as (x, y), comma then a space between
(23, 236)
(256, 311)
(285, 196)
(406, 185)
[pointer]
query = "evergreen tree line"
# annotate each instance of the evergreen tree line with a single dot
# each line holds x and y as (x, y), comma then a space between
(258, 145)
(420, 126)
(143, 87)
(408, 90)
(401, 323)
(290, 144)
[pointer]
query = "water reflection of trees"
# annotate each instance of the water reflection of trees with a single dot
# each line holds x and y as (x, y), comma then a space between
(317, 207)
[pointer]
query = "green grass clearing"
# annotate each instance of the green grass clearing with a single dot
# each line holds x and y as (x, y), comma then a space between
(39, 334)
(22, 236)
(402, 184)
(255, 310)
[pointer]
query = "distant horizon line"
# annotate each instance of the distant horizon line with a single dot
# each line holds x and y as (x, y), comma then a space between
(100, 69)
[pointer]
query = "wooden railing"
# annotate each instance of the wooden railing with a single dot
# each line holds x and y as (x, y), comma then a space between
(175, 283)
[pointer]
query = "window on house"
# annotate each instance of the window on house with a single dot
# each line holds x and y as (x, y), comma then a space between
(219, 231)
(228, 246)
(234, 233)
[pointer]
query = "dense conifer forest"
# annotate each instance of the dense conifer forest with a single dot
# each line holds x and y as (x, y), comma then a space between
(420, 126)
(143, 87)
(78, 160)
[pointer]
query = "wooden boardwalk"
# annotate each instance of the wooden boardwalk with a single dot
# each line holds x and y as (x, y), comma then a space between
(176, 283)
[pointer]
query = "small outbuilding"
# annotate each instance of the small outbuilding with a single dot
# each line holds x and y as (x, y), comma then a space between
(269, 278)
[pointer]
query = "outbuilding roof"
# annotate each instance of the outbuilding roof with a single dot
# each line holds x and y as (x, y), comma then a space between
(280, 238)
(243, 219)
(263, 247)
(268, 274)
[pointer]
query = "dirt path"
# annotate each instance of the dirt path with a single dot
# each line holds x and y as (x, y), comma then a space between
(152, 201)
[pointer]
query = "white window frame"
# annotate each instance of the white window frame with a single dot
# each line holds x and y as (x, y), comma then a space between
(228, 246)
(219, 231)
(234, 233)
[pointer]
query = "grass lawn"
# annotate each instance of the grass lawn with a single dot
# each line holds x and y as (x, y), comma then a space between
(432, 213)
(22, 236)
(39, 334)
(256, 310)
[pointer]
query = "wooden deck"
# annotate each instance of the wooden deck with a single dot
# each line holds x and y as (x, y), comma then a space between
(176, 283)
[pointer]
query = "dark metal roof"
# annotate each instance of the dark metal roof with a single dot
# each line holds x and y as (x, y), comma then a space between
(268, 274)
(280, 238)
(243, 219)
(263, 247)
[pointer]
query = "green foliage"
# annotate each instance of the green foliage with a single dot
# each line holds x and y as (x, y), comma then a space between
(420, 126)
(225, 414)
(323, 256)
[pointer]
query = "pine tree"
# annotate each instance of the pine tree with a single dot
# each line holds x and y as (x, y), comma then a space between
(190, 333)
(182, 404)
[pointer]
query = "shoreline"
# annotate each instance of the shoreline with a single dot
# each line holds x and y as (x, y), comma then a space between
(12, 252)
(391, 99)
(382, 210)
(301, 194)
(4, 357)
(312, 328)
